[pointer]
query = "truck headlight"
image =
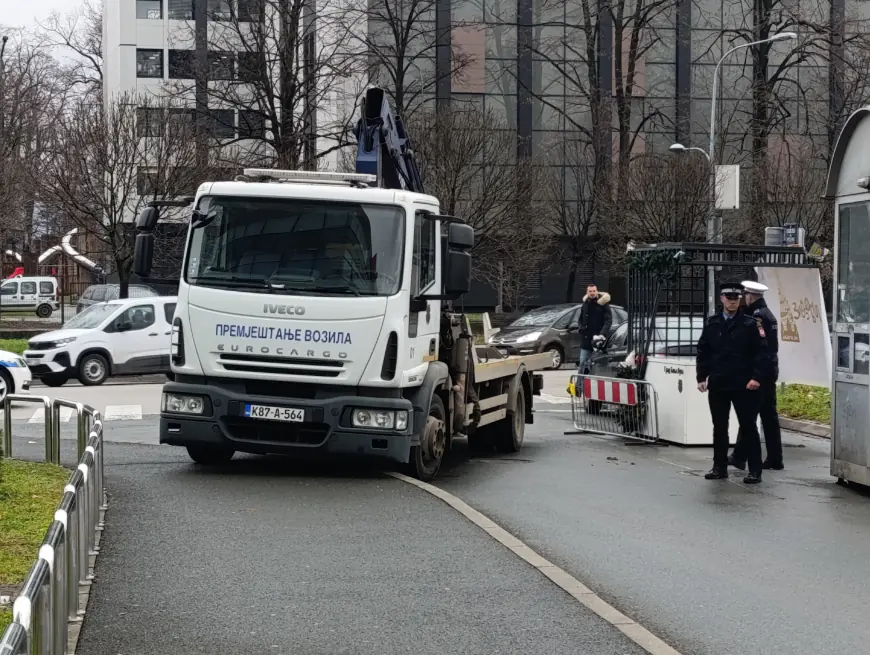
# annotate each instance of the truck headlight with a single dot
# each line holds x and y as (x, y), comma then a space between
(177, 403)
(380, 419)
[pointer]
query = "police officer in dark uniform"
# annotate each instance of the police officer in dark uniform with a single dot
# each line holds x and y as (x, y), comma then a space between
(731, 362)
(757, 308)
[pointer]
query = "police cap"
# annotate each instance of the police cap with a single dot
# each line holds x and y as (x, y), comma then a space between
(731, 288)
(755, 288)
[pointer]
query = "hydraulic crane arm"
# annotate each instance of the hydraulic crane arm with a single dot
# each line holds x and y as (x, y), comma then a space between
(384, 148)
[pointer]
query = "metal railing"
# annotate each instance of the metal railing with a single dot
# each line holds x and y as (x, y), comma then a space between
(49, 600)
(615, 406)
(85, 416)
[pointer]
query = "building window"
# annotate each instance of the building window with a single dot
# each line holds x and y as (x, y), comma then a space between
(252, 66)
(181, 9)
(219, 10)
(146, 181)
(221, 123)
(149, 63)
(181, 64)
(150, 9)
(221, 65)
(252, 125)
(250, 10)
(148, 121)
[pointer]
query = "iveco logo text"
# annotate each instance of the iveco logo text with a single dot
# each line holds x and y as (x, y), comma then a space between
(265, 350)
(283, 309)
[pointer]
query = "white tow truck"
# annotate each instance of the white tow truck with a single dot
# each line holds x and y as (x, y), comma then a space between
(314, 316)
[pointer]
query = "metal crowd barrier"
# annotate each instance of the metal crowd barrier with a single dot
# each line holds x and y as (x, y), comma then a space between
(615, 406)
(49, 600)
(85, 416)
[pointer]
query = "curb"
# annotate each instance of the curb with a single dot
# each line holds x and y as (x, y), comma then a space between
(806, 427)
(561, 578)
(74, 628)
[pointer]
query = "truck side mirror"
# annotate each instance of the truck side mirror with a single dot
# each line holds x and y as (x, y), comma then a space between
(460, 236)
(457, 277)
(143, 254)
(148, 219)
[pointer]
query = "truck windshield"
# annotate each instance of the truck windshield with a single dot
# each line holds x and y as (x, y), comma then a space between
(293, 246)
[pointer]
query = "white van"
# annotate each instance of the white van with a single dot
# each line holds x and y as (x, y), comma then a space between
(29, 294)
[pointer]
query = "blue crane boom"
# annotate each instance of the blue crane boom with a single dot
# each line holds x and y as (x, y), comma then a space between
(384, 148)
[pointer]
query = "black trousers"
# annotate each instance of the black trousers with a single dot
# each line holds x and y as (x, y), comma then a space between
(746, 405)
(770, 423)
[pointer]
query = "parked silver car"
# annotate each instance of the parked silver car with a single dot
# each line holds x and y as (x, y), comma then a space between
(98, 293)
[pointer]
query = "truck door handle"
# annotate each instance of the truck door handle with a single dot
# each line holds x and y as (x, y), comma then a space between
(167, 333)
(152, 334)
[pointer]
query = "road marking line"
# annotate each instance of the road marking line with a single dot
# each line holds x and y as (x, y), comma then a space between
(561, 578)
(39, 415)
(123, 413)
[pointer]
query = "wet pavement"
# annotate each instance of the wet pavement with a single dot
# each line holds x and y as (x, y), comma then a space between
(712, 567)
(265, 556)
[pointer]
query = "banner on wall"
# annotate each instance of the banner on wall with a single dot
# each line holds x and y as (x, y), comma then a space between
(795, 297)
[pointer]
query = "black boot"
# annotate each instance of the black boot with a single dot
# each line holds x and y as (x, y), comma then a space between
(753, 477)
(778, 466)
(717, 473)
(737, 463)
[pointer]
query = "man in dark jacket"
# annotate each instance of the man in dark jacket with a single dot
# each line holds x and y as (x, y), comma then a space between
(595, 320)
(756, 307)
(731, 362)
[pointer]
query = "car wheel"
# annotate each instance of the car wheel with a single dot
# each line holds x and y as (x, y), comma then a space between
(557, 355)
(93, 369)
(44, 311)
(7, 384)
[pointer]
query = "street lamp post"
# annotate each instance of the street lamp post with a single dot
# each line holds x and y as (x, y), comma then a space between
(714, 235)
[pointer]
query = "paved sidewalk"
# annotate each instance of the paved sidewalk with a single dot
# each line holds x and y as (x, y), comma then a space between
(267, 557)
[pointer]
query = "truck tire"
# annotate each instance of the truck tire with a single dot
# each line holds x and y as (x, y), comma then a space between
(54, 379)
(426, 458)
(93, 370)
(210, 455)
(44, 311)
(512, 429)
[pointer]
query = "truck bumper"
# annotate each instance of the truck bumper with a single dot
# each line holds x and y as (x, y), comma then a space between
(326, 430)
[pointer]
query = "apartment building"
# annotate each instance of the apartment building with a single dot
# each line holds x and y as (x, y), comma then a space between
(154, 47)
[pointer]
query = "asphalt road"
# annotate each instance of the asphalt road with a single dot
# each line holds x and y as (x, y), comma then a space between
(713, 568)
(270, 557)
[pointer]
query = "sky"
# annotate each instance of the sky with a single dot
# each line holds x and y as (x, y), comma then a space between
(17, 13)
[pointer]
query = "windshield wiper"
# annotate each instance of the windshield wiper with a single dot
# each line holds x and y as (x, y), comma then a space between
(252, 283)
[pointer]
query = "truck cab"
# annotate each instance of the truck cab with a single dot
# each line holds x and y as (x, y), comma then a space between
(308, 317)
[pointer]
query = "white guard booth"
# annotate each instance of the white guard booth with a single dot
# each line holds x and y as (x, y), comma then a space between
(849, 186)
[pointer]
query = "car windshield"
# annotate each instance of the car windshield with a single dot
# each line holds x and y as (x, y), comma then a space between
(91, 317)
(543, 317)
(297, 246)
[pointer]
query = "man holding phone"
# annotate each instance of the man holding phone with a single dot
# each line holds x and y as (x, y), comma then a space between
(731, 361)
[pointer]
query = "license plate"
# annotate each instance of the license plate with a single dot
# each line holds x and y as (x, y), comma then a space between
(269, 413)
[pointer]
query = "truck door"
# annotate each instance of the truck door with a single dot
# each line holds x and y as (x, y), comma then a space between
(424, 325)
(851, 347)
(28, 295)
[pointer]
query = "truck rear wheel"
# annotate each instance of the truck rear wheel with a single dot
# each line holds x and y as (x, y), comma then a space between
(512, 429)
(427, 457)
(210, 455)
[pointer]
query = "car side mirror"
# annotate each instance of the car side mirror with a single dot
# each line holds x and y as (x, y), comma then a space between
(123, 326)
(573, 326)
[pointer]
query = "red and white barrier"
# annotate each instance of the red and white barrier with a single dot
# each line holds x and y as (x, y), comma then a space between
(620, 393)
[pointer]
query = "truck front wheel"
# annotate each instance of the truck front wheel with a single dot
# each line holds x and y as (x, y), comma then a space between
(426, 458)
(512, 430)
(210, 455)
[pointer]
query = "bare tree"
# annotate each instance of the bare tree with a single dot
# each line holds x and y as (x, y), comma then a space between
(576, 204)
(667, 199)
(110, 162)
(398, 38)
(32, 94)
(468, 161)
(279, 80)
(79, 35)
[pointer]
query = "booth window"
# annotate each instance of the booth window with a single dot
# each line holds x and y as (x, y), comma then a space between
(853, 272)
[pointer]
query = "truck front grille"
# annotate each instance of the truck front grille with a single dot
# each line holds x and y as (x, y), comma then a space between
(320, 368)
(247, 429)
